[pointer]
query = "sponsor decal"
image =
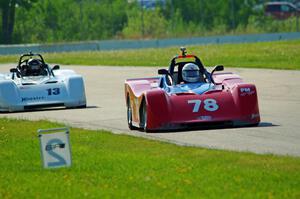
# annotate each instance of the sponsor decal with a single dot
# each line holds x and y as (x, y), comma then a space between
(206, 117)
(35, 98)
(246, 91)
(254, 115)
(154, 84)
(23, 87)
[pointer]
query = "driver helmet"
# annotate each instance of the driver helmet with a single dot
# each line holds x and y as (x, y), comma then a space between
(190, 73)
(34, 66)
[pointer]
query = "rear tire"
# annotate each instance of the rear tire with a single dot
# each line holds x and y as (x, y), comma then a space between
(129, 115)
(143, 116)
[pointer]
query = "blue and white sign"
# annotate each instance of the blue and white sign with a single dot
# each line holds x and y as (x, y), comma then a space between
(55, 147)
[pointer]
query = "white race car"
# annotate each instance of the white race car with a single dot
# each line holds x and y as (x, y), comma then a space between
(34, 85)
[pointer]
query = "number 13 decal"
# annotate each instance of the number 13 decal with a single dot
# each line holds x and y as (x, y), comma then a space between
(209, 105)
(53, 91)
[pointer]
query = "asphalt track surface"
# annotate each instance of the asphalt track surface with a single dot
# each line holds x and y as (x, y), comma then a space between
(279, 100)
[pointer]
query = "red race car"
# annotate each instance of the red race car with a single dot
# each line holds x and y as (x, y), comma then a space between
(187, 95)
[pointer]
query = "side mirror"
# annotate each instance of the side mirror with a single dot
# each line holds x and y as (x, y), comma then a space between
(219, 68)
(13, 70)
(163, 72)
(56, 67)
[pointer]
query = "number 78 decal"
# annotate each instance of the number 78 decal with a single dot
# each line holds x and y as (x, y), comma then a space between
(209, 105)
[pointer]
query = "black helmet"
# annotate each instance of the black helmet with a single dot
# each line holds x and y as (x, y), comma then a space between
(34, 67)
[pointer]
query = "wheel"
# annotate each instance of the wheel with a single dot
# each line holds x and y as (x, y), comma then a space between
(143, 116)
(81, 106)
(129, 115)
(254, 125)
(76, 107)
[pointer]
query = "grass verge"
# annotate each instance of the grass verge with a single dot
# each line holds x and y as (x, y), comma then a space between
(119, 166)
(275, 55)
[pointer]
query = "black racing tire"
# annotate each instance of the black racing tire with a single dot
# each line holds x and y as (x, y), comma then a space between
(76, 107)
(129, 115)
(81, 106)
(143, 116)
(254, 125)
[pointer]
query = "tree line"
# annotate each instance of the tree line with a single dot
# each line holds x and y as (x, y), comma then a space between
(46, 21)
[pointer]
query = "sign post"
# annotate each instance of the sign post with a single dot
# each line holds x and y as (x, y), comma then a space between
(55, 147)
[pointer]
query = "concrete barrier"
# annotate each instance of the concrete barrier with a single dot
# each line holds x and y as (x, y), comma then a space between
(134, 44)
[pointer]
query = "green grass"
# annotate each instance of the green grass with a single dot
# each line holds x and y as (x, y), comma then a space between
(275, 55)
(119, 166)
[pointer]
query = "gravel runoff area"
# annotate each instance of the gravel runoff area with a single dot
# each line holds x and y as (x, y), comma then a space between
(279, 100)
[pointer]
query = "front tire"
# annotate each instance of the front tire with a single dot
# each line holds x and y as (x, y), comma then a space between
(81, 106)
